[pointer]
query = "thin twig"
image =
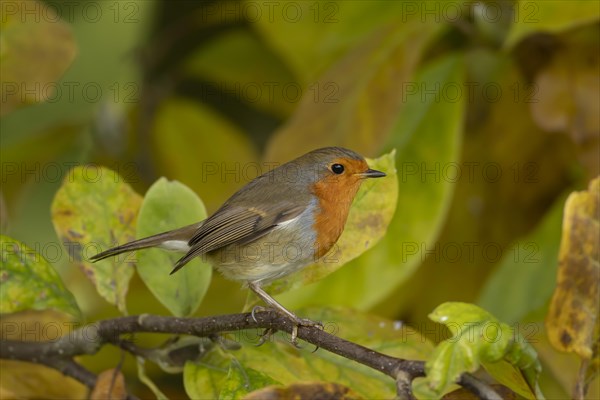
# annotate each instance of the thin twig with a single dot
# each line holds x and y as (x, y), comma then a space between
(478, 387)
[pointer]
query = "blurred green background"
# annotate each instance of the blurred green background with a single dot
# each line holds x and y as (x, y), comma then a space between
(492, 107)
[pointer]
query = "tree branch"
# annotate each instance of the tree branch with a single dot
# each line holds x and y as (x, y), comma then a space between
(89, 339)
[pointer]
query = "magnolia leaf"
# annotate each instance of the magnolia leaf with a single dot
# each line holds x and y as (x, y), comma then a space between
(370, 214)
(241, 381)
(37, 48)
(205, 378)
(223, 375)
(28, 282)
(572, 320)
(478, 339)
(95, 209)
(169, 205)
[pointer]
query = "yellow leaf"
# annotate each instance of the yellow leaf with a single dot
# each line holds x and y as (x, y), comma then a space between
(572, 320)
(93, 210)
(20, 379)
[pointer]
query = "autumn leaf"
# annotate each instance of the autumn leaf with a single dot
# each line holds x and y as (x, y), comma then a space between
(93, 210)
(28, 282)
(572, 320)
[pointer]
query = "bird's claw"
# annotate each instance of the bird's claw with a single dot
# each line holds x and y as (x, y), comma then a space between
(265, 336)
(302, 322)
(254, 310)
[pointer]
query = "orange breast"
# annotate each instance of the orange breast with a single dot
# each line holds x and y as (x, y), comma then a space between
(334, 200)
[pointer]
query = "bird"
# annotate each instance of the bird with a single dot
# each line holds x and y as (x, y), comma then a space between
(278, 223)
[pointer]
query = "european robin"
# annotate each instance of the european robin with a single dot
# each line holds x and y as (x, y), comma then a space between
(298, 209)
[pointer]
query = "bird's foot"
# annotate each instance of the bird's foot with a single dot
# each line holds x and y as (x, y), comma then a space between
(298, 322)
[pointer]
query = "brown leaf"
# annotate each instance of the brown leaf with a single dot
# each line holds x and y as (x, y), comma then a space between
(305, 390)
(567, 90)
(572, 320)
(109, 385)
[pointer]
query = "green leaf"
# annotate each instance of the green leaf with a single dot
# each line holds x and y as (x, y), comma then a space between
(526, 276)
(37, 48)
(95, 209)
(550, 16)
(212, 156)
(169, 205)
(370, 214)
(276, 362)
(361, 95)
(28, 281)
(204, 379)
(510, 376)
(477, 338)
(422, 203)
(241, 381)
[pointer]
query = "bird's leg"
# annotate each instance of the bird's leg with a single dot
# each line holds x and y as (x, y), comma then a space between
(271, 302)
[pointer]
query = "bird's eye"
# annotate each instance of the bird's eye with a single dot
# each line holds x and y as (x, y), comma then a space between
(337, 168)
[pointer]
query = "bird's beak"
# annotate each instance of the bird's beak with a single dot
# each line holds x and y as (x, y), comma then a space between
(371, 173)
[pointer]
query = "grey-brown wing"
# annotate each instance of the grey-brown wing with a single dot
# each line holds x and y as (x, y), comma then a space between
(235, 224)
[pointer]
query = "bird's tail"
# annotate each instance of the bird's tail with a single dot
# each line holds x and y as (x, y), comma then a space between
(176, 239)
